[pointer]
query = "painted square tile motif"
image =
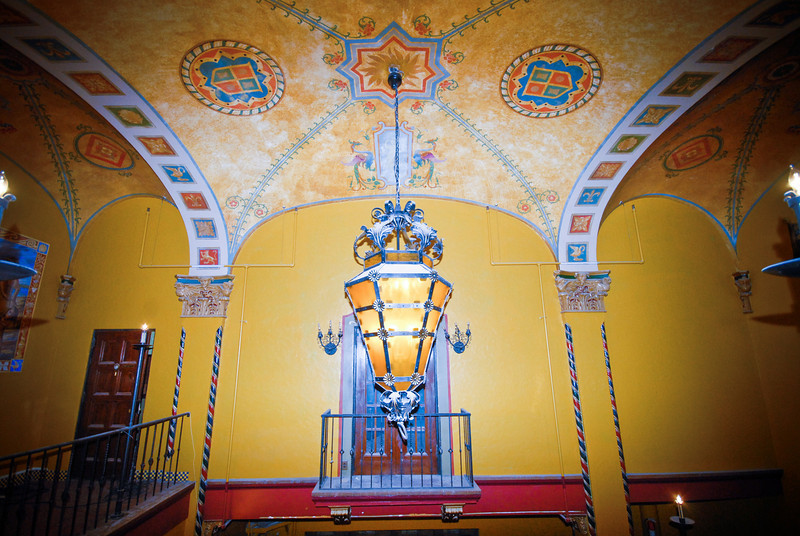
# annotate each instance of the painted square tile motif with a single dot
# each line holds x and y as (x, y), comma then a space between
(129, 116)
(156, 145)
(730, 49)
(580, 223)
(194, 200)
(590, 196)
(209, 257)
(177, 173)
(628, 143)
(654, 115)
(577, 252)
(95, 83)
(606, 170)
(52, 49)
(205, 228)
(688, 84)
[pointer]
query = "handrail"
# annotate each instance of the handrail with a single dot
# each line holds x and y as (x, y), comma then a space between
(76, 486)
(91, 438)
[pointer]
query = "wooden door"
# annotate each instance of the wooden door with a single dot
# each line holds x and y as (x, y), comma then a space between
(378, 445)
(108, 396)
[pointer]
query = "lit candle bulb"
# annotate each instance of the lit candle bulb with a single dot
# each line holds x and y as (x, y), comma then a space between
(144, 334)
(679, 502)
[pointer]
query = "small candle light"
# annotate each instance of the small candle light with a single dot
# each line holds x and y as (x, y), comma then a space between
(3, 183)
(143, 340)
(679, 502)
(794, 180)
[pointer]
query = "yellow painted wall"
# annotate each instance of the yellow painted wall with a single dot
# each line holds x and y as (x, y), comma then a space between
(691, 395)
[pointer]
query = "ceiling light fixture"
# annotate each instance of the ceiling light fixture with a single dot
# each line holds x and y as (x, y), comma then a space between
(399, 298)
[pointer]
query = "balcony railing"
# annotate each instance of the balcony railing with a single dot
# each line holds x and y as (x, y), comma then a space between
(365, 452)
(76, 486)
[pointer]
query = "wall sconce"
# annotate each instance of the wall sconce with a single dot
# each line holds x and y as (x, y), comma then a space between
(790, 268)
(329, 342)
(462, 339)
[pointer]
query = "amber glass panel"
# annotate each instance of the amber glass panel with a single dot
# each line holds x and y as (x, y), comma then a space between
(403, 352)
(404, 289)
(440, 291)
(375, 351)
(403, 319)
(369, 321)
(426, 353)
(402, 386)
(433, 320)
(402, 256)
(362, 293)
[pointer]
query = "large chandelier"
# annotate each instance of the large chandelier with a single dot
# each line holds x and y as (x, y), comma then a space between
(398, 299)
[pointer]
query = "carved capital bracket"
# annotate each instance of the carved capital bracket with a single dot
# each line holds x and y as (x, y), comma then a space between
(203, 297)
(582, 291)
(340, 515)
(451, 513)
(743, 285)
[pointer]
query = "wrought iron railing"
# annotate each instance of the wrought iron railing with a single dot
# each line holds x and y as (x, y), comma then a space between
(366, 452)
(74, 487)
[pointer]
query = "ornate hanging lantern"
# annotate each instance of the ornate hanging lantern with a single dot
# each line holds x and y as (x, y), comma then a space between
(398, 298)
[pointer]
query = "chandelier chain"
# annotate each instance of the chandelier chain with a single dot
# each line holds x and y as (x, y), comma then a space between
(396, 149)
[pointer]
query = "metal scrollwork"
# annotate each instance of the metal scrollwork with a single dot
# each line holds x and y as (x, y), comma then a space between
(407, 223)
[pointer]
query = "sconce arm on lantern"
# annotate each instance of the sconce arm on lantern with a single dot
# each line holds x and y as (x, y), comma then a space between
(329, 342)
(461, 339)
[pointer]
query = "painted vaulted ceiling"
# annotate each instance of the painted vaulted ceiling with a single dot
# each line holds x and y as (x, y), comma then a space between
(555, 112)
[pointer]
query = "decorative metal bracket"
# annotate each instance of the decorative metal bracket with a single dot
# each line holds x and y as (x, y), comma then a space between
(451, 513)
(64, 292)
(745, 288)
(462, 339)
(340, 515)
(329, 342)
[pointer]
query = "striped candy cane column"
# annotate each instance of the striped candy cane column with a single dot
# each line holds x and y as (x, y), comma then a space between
(576, 402)
(212, 397)
(171, 436)
(625, 484)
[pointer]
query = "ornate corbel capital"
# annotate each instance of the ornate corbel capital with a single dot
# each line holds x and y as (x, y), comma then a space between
(204, 296)
(582, 291)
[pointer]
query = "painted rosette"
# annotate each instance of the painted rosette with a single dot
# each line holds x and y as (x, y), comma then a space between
(550, 81)
(232, 78)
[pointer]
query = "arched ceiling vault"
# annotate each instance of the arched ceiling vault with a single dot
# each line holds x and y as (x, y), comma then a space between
(556, 112)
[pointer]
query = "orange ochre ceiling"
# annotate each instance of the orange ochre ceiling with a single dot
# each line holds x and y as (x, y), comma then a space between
(551, 111)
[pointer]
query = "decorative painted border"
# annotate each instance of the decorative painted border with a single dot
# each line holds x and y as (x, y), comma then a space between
(591, 61)
(14, 340)
(263, 56)
(680, 89)
(63, 55)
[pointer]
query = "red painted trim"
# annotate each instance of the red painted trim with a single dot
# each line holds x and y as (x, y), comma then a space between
(657, 488)
(499, 495)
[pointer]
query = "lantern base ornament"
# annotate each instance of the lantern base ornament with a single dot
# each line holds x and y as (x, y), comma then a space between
(399, 406)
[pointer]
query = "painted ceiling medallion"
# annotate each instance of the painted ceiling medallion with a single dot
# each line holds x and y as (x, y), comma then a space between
(367, 61)
(232, 78)
(550, 81)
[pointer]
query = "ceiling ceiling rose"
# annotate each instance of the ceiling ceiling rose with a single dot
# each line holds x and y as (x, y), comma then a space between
(368, 60)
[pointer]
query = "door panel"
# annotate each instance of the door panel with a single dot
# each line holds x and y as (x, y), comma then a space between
(108, 397)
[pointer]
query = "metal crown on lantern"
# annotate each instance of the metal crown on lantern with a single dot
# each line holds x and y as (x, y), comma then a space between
(399, 298)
